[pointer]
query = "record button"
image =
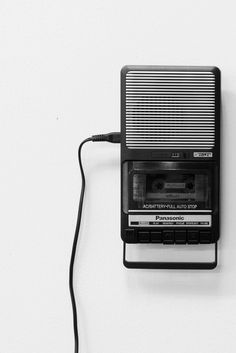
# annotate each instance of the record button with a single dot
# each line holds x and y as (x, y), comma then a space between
(168, 236)
(130, 236)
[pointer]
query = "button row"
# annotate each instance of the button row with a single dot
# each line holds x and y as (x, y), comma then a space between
(169, 236)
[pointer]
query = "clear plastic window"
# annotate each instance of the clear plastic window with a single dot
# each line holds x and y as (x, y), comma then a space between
(165, 185)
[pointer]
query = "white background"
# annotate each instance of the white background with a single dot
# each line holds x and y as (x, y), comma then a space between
(60, 63)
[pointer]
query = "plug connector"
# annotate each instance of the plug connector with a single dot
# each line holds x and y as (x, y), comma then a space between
(112, 137)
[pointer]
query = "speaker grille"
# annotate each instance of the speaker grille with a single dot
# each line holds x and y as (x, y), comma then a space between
(170, 109)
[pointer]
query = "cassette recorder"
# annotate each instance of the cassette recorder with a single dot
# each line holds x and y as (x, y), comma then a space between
(170, 155)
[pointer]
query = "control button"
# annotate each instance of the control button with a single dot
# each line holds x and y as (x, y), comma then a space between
(143, 237)
(168, 236)
(130, 236)
(205, 237)
(193, 237)
(180, 236)
(156, 237)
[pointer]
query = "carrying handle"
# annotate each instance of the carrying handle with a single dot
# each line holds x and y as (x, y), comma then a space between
(171, 265)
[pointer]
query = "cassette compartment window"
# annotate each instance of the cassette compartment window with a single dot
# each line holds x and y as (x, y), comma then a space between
(166, 185)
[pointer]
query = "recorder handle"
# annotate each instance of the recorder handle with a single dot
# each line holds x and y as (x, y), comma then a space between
(171, 265)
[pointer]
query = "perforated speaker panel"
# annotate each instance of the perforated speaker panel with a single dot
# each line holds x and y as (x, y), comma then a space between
(170, 109)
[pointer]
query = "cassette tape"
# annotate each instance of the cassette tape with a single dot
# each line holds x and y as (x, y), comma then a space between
(172, 187)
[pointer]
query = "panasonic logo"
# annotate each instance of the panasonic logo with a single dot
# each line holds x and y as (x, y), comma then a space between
(169, 218)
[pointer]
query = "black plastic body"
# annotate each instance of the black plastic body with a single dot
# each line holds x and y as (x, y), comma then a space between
(184, 161)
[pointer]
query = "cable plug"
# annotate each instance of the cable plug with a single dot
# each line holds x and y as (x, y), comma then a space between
(112, 137)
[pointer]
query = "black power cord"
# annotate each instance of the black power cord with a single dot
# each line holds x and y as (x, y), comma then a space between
(113, 137)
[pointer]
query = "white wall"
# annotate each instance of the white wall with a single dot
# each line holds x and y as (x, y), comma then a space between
(59, 83)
